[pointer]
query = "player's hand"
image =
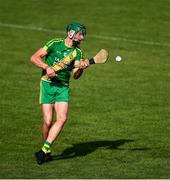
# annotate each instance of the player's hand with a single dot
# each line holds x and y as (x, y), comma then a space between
(50, 72)
(83, 64)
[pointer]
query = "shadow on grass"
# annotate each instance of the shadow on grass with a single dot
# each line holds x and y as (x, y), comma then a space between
(83, 149)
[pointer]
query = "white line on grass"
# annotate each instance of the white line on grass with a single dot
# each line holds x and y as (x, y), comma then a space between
(92, 36)
(29, 28)
(130, 40)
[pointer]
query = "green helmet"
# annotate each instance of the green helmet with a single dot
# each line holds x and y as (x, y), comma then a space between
(77, 28)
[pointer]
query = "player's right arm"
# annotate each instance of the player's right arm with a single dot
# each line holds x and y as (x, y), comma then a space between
(37, 60)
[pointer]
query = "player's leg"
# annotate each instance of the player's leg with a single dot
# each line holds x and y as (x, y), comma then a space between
(61, 109)
(47, 99)
(41, 156)
(47, 110)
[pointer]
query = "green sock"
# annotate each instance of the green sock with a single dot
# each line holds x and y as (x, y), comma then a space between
(46, 147)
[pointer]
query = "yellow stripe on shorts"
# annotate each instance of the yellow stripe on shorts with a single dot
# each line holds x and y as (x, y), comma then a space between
(40, 96)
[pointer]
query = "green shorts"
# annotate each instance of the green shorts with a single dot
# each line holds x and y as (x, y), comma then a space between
(51, 93)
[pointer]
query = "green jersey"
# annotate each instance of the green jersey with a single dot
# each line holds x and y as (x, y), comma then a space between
(57, 50)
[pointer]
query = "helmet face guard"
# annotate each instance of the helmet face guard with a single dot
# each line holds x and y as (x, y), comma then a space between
(74, 28)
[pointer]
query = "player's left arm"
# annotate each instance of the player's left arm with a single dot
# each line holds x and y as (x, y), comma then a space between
(78, 71)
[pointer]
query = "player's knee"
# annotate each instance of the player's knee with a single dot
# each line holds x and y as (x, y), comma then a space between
(47, 124)
(62, 118)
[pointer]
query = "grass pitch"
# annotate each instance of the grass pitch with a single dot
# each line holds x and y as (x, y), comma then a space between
(118, 124)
